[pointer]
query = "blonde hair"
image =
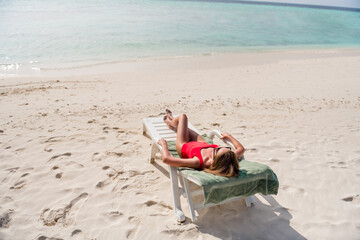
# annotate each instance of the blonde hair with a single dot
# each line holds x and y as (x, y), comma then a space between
(225, 165)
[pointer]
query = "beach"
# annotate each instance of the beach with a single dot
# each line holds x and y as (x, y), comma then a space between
(75, 165)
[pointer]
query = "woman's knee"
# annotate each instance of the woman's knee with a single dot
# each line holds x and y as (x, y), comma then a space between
(183, 116)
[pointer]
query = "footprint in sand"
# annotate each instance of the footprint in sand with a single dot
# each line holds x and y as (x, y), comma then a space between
(97, 157)
(134, 173)
(274, 160)
(161, 204)
(58, 156)
(12, 170)
(120, 186)
(131, 233)
(18, 185)
(252, 149)
(293, 189)
(74, 164)
(51, 217)
(106, 129)
(58, 175)
(101, 184)
(55, 139)
(112, 175)
(47, 149)
(175, 232)
(160, 208)
(122, 182)
(114, 215)
(338, 165)
(354, 198)
(5, 218)
(25, 174)
(42, 237)
(118, 154)
(75, 232)
(61, 215)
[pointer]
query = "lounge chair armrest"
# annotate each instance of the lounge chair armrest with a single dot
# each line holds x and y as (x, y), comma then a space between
(217, 133)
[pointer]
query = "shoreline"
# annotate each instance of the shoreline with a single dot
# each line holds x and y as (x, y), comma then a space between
(120, 65)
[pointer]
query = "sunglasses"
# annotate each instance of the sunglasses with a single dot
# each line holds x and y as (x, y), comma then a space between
(216, 150)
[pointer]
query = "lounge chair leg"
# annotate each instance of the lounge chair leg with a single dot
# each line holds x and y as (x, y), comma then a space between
(154, 149)
(189, 198)
(143, 129)
(176, 195)
(249, 200)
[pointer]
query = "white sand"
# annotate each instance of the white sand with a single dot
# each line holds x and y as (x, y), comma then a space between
(74, 164)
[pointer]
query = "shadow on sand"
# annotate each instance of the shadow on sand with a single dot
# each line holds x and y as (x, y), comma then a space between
(266, 220)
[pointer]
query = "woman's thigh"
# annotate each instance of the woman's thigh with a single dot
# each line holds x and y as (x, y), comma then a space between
(182, 135)
(194, 136)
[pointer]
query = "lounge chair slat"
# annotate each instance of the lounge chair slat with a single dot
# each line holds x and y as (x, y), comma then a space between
(164, 129)
(168, 135)
(170, 139)
(167, 132)
(159, 123)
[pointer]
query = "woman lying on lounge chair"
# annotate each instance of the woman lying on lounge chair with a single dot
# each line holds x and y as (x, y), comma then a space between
(196, 153)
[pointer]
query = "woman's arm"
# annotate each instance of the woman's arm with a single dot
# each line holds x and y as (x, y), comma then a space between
(176, 162)
(238, 146)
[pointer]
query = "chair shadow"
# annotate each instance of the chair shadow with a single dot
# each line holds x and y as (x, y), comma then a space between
(266, 220)
(155, 164)
(161, 169)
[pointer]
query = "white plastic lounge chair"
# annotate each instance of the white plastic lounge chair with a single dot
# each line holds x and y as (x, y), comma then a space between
(157, 129)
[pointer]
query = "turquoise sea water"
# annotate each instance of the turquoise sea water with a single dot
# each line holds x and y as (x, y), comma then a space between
(49, 33)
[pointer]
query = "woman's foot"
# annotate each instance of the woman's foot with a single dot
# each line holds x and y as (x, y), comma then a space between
(169, 114)
(168, 119)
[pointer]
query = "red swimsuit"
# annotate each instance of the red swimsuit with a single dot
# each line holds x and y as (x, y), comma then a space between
(191, 149)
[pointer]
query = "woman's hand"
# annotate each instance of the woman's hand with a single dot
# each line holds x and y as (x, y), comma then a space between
(162, 142)
(165, 154)
(239, 148)
(225, 136)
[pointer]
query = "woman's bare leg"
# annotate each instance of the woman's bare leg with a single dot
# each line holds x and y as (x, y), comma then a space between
(173, 125)
(184, 134)
(171, 121)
